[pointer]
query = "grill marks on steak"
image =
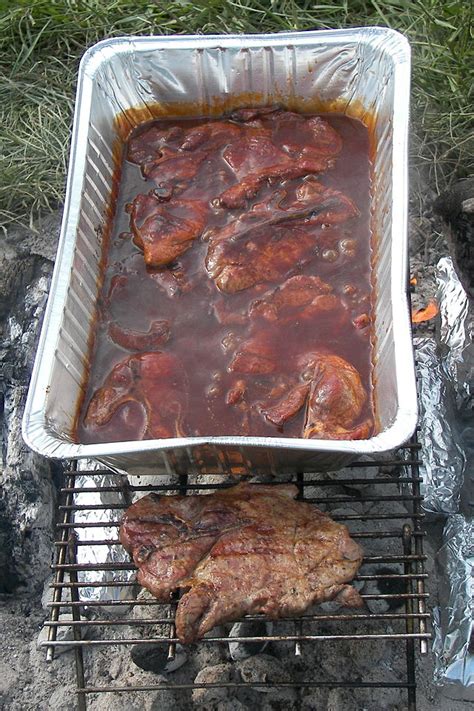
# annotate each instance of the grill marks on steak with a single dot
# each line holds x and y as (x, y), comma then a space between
(245, 550)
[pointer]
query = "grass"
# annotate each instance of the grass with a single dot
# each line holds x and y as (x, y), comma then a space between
(41, 42)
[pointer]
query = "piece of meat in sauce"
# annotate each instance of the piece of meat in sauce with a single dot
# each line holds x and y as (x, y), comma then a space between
(286, 401)
(268, 253)
(296, 133)
(165, 230)
(250, 549)
(298, 146)
(334, 396)
(156, 382)
(173, 172)
(156, 336)
(256, 161)
(309, 201)
(148, 142)
(277, 235)
(336, 401)
(299, 298)
(256, 355)
(172, 159)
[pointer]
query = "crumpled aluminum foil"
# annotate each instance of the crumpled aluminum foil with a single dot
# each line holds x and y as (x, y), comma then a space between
(453, 620)
(456, 335)
(442, 454)
(446, 399)
(99, 554)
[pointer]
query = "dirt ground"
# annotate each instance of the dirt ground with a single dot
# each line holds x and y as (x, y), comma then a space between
(28, 683)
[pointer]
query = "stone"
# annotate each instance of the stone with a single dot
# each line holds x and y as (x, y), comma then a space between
(280, 700)
(315, 700)
(232, 705)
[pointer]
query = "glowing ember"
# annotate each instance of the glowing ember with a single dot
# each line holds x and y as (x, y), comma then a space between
(426, 313)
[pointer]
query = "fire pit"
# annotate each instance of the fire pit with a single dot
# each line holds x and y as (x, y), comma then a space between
(96, 597)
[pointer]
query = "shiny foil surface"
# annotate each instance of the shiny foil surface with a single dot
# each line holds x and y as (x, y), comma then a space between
(442, 456)
(453, 621)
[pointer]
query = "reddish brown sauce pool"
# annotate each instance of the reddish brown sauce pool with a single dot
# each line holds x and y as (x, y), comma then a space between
(135, 295)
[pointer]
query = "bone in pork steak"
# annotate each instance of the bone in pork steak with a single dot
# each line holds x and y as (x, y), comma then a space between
(256, 160)
(275, 236)
(298, 146)
(266, 254)
(165, 230)
(297, 133)
(336, 400)
(334, 396)
(244, 550)
(156, 382)
(309, 200)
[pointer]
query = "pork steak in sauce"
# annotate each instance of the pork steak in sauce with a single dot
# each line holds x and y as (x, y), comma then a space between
(236, 298)
(244, 550)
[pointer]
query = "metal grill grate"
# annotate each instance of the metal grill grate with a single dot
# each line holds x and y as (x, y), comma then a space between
(388, 496)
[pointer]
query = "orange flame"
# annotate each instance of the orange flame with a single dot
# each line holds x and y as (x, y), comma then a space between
(413, 281)
(425, 314)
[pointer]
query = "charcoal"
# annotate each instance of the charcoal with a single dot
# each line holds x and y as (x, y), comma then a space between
(254, 628)
(154, 657)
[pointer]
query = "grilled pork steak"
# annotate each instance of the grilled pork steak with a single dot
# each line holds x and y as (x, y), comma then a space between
(245, 550)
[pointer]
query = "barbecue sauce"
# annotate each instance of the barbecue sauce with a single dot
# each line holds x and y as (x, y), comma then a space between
(135, 296)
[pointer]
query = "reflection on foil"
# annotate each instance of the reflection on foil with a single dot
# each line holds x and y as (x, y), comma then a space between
(446, 384)
(100, 553)
(456, 335)
(442, 456)
(453, 622)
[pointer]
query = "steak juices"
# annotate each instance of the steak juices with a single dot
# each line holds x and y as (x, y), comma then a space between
(236, 295)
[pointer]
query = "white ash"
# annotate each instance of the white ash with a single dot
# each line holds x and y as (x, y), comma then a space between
(209, 698)
(263, 669)
(27, 495)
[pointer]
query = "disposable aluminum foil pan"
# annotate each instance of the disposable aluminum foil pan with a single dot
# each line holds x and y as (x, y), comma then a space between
(362, 72)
